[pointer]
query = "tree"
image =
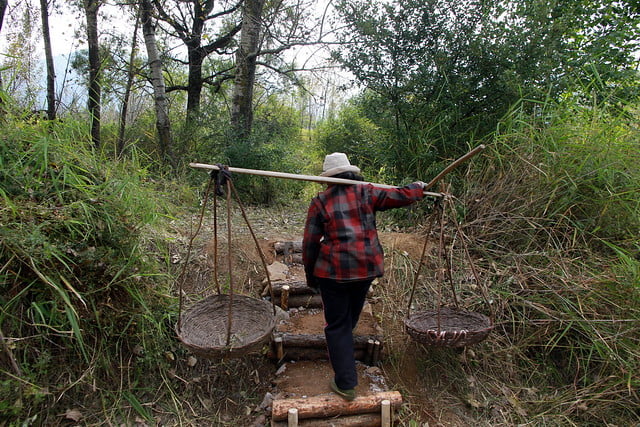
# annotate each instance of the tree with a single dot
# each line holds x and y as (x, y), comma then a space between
(91, 11)
(445, 72)
(246, 57)
(51, 72)
(188, 19)
(161, 103)
(3, 9)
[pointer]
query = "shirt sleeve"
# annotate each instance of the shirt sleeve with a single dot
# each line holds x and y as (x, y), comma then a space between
(313, 232)
(389, 198)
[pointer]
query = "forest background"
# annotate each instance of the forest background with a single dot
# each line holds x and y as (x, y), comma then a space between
(94, 182)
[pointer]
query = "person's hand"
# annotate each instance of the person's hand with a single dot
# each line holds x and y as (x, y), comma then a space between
(422, 184)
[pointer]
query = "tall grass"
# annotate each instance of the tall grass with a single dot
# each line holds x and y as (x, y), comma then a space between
(80, 283)
(554, 210)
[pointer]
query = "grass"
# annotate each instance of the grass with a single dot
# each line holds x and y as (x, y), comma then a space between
(78, 282)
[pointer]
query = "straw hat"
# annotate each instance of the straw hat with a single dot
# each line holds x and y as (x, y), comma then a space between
(337, 163)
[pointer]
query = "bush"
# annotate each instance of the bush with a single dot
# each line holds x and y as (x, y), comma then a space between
(75, 264)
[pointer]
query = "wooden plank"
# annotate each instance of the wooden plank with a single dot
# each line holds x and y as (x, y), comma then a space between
(331, 405)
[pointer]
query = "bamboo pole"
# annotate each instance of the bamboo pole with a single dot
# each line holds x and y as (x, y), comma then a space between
(454, 165)
(313, 178)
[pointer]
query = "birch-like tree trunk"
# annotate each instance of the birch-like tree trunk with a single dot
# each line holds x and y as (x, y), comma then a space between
(163, 124)
(91, 10)
(3, 8)
(242, 104)
(51, 72)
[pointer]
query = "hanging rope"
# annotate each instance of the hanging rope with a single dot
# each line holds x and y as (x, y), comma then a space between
(437, 210)
(472, 266)
(181, 277)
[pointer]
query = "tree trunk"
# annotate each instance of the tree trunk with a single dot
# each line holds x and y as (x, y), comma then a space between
(3, 9)
(194, 88)
(163, 124)
(241, 108)
(91, 10)
(51, 72)
(127, 90)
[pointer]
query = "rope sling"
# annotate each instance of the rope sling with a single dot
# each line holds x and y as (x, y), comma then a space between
(445, 326)
(224, 325)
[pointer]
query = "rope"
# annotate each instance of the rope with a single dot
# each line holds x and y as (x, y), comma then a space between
(432, 219)
(181, 277)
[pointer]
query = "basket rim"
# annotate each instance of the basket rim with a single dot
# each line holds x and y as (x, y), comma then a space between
(445, 313)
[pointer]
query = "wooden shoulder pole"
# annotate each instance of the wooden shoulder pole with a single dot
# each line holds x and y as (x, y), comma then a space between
(312, 178)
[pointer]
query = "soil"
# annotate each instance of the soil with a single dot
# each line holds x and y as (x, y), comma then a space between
(311, 378)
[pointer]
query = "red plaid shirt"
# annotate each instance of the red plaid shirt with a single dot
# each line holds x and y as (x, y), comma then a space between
(340, 237)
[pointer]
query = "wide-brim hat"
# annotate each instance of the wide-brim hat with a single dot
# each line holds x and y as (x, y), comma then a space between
(337, 163)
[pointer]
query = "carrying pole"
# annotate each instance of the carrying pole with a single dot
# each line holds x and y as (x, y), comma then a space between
(320, 179)
(330, 180)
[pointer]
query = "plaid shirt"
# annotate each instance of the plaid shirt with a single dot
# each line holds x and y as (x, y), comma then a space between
(340, 237)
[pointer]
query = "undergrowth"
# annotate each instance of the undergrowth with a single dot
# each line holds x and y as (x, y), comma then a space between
(80, 277)
(554, 211)
(552, 216)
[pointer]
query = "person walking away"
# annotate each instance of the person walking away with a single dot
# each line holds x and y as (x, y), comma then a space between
(342, 255)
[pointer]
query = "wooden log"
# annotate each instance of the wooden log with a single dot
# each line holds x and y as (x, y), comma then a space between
(297, 353)
(330, 405)
(307, 301)
(319, 340)
(296, 287)
(362, 420)
(288, 247)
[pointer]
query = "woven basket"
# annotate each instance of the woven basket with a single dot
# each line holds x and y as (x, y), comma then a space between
(203, 329)
(457, 328)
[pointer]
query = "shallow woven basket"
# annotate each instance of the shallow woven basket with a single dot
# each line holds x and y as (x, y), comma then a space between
(203, 329)
(457, 328)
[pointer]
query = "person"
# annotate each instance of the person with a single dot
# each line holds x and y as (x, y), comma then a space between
(342, 255)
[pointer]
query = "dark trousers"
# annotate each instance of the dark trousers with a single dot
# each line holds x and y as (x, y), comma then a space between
(342, 304)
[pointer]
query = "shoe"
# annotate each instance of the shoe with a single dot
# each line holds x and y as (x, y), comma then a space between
(349, 394)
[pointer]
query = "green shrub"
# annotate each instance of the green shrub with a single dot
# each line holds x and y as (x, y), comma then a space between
(76, 263)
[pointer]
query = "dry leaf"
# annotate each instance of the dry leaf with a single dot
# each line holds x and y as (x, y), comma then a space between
(73, 414)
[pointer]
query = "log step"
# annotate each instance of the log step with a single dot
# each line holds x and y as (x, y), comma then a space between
(330, 405)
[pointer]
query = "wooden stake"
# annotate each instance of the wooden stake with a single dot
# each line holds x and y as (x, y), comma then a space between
(293, 417)
(369, 354)
(284, 298)
(279, 347)
(385, 410)
(376, 353)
